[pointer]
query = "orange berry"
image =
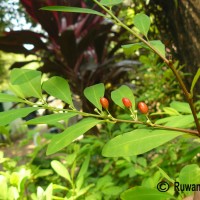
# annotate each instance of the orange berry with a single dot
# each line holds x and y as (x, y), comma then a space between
(127, 103)
(143, 108)
(104, 102)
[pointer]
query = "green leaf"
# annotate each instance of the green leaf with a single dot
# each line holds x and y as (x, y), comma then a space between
(59, 88)
(195, 79)
(130, 48)
(189, 178)
(61, 170)
(124, 91)
(63, 139)
(84, 167)
(181, 107)
(110, 3)
(49, 192)
(159, 46)
(72, 9)
(181, 121)
(26, 83)
(9, 98)
(165, 175)
(170, 111)
(142, 23)
(94, 93)
(51, 119)
(144, 193)
(190, 174)
(137, 142)
(112, 190)
(8, 116)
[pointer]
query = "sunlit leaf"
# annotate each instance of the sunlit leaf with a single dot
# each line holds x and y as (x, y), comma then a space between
(181, 107)
(110, 2)
(94, 93)
(137, 142)
(63, 139)
(61, 170)
(123, 91)
(8, 116)
(73, 10)
(190, 174)
(49, 192)
(181, 121)
(59, 88)
(144, 193)
(195, 79)
(9, 98)
(142, 23)
(26, 83)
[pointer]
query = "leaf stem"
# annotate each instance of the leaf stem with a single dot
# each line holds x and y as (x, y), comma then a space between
(168, 62)
(111, 119)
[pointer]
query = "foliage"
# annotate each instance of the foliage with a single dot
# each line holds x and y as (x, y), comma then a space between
(130, 142)
(74, 46)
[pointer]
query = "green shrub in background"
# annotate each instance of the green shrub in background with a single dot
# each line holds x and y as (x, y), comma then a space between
(123, 139)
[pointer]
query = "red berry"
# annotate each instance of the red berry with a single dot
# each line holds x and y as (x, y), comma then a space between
(127, 103)
(143, 107)
(104, 102)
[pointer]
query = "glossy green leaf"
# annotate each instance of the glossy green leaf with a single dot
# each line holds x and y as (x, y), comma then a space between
(137, 142)
(26, 82)
(63, 139)
(72, 9)
(194, 81)
(59, 88)
(142, 23)
(51, 119)
(190, 174)
(181, 121)
(61, 170)
(9, 98)
(123, 91)
(144, 193)
(94, 93)
(110, 2)
(181, 107)
(8, 116)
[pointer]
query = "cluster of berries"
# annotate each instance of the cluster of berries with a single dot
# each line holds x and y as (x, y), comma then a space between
(143, 108)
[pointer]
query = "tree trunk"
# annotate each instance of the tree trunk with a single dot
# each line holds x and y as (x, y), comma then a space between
(180, 19)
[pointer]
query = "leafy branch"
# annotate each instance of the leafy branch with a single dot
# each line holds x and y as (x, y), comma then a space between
(188, 95)
(156, 46)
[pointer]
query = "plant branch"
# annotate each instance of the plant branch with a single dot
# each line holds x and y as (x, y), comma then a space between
(110, 119)
(168, 62)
